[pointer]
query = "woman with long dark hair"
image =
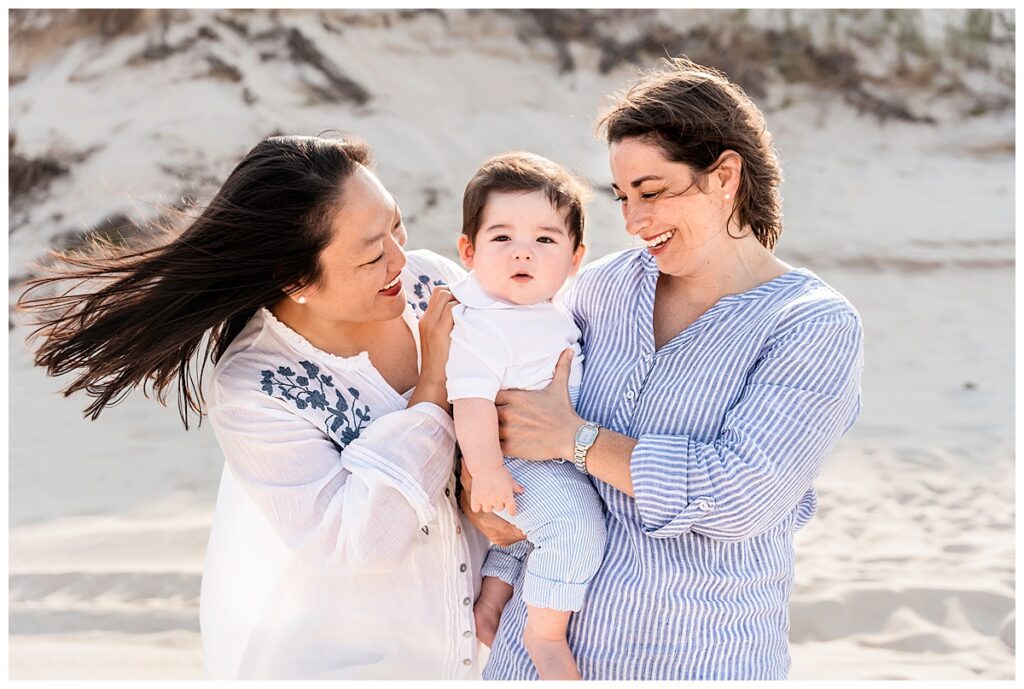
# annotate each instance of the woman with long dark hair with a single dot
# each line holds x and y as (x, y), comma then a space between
(337, 548)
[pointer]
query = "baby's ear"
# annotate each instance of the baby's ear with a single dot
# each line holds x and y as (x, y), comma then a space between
(466, 251)
(577, 257)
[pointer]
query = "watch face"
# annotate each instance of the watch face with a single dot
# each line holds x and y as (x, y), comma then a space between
(586, 436)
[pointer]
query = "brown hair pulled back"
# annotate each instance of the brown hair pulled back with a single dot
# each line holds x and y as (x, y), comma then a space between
(522, 172)
(694, 114)
(138, 317)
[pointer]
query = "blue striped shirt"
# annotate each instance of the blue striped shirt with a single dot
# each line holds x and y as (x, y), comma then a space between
(733, 418)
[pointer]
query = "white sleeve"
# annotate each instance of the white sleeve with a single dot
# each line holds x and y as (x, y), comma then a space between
(351, 511)
(476, 360)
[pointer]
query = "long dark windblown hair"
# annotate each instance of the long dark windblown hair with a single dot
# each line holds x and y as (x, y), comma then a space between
(136, 317)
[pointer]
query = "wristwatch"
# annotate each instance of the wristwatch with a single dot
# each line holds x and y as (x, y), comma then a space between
(585, 437)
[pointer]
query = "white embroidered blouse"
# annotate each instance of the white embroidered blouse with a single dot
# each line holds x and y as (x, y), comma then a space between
(337, 550)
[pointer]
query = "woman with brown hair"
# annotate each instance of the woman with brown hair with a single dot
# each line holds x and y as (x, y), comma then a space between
(337, 549)
(717, 379)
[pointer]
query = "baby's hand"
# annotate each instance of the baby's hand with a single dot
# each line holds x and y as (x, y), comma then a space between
(493, 491)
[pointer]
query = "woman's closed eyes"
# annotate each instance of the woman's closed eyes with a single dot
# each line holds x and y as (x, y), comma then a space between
(646, 195)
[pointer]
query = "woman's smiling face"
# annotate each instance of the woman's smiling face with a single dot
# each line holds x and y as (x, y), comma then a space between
(362, 263)
(682, 224)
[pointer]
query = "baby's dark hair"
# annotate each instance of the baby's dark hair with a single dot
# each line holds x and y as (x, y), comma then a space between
(524, 172)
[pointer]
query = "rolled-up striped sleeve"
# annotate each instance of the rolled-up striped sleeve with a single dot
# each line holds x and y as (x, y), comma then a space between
(801, 395)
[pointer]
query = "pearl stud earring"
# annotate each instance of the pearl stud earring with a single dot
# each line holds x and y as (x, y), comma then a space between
(728, 196)
(301, 300)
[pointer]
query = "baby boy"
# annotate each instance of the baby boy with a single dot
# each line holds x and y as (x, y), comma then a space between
(522, 237)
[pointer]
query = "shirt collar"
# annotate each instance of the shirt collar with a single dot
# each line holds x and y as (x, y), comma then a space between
(471, 293)
(649, 263)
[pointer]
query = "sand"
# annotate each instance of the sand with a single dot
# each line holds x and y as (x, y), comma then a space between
(907, 572)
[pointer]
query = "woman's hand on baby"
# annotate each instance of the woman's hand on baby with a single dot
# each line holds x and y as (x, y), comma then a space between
(539, 424)
(436, 332)
(435, 339)
(494, 491)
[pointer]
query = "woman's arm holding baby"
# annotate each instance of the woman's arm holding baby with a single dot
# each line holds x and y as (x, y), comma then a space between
(542, 424)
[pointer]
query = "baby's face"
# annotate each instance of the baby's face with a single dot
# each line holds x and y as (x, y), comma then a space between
(522, 253)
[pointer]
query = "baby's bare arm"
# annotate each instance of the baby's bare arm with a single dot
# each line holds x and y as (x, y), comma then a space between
(476, 427)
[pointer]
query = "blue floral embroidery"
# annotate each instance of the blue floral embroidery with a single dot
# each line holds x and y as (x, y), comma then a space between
(423, 289)
(297, 389)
